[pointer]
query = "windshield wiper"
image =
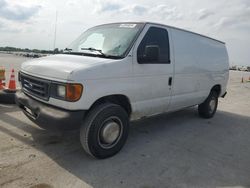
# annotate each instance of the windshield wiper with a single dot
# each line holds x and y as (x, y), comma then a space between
(68, 49)
(95, 50)
(101, 53)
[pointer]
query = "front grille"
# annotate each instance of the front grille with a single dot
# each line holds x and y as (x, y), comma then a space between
(35, 86)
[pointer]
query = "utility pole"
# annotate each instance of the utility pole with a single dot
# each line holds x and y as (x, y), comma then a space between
(55, 32)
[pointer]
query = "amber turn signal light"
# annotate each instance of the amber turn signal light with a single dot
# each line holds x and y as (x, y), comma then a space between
(73, 92)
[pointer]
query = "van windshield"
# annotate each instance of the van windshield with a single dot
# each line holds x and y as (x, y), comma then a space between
(110, 40)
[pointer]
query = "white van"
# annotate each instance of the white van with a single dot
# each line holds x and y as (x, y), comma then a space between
(118, 72)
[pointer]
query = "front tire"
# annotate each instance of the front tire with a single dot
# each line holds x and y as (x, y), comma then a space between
(208, 108)
(104, 130)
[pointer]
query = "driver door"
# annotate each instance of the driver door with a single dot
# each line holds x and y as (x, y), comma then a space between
(153, 70)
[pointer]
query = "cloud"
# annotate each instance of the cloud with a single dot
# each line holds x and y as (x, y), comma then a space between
(134, 9)
(161, 11)
(235, 18)
(138, 9)
(105, 6)
(225, 20)
(6, 28)
(110, 7)
(2, 3)
(17, 12)
(1, 25)
(165, 12)
(204, 13)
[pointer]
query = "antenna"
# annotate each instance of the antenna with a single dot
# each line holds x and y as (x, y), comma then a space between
(55, 32)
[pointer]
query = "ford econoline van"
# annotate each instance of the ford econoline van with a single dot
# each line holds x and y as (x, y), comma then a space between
(115, 73)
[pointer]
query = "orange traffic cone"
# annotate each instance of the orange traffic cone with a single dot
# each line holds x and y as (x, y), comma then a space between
(12, 82)
(1, 85)
(2, 77)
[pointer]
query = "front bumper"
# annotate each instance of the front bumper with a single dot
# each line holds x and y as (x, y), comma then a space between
(47, 116)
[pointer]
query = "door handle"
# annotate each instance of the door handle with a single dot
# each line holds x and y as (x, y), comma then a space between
(170, 81)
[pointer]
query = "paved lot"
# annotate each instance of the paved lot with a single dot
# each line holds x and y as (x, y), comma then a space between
(172, 150)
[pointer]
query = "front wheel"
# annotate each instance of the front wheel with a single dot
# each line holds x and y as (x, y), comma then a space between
(104, 130)
(208, 108)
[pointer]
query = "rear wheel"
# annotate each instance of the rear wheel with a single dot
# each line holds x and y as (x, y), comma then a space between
(104, 130)
(208, 108)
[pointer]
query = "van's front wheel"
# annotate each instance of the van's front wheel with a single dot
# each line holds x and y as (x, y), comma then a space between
(208, 108)
(104, 130)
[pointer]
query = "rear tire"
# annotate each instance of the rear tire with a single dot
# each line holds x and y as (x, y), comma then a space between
(104, 131)
(208, 108)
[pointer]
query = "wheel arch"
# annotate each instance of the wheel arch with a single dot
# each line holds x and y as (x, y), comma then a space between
(217, 89)
(119, 99)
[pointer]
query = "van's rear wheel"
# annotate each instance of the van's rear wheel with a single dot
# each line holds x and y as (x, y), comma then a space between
(104, 130)
(208, 108)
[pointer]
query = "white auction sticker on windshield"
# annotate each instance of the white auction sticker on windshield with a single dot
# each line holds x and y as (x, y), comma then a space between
(128, 25)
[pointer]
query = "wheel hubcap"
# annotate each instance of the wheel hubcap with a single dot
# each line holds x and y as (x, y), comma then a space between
(110, 132)
(212, 105)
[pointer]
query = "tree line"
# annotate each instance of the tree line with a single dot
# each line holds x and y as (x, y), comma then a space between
(14, 49)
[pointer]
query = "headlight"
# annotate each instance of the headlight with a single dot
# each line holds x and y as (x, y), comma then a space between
(68, 92)
(61, 91)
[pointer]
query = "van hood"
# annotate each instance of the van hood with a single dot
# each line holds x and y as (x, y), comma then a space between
(60, 66)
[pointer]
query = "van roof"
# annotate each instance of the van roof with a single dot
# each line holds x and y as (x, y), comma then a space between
(155, 23)
(185, 31)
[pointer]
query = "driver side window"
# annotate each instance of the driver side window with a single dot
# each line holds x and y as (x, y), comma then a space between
(154, 47)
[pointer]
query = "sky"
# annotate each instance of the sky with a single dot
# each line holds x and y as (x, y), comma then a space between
(31, 23)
